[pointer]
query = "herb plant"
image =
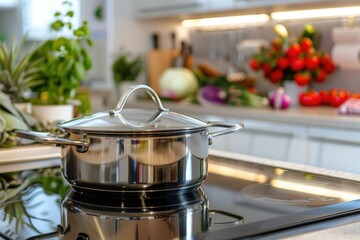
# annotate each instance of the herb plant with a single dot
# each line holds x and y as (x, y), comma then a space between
(64, 60)
(126, 68)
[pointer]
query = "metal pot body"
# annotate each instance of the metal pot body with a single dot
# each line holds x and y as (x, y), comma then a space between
(135, 150)
(180, 221)
(137, 164)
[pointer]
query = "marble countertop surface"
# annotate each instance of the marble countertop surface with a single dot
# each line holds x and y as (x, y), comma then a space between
(323, 116)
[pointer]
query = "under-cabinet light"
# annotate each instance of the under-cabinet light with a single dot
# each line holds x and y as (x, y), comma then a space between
(226, 22)
(317, 13)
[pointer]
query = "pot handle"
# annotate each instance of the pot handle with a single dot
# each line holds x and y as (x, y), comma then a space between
(230, 128)
(130, 91)
(237, 218)
(47, 138)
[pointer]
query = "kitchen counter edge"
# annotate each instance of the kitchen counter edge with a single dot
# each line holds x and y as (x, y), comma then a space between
(321, 116)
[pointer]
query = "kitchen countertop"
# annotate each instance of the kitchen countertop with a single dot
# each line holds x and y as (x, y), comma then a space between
(322, 116)
(348, 228)
(286, 165)
(28, 157)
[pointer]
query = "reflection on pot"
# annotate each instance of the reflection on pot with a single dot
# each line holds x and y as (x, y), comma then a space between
(112, 216)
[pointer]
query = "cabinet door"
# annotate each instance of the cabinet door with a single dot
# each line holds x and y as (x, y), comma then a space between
(165, 8)
(265, 3)
(270, 140)
(216, 5)
(334, 149)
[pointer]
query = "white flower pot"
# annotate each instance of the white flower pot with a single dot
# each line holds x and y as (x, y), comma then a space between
(24, 107)
(53, 113)
(294, 90)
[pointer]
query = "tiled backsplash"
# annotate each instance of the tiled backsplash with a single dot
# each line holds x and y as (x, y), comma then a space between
(219, 49)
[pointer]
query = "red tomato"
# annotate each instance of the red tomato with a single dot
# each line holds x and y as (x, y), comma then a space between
(320, 76)
(276, 76)
(302, 78)
(312, 62)
(329, 66)
(297, 64)
(283, 63)
(324, 58)
(267, 69)
(310, 98)
(338, 97)
(355, 95)
(277, 43)
(325, 97)
(306, 44)
(254, 64)
(294, 50)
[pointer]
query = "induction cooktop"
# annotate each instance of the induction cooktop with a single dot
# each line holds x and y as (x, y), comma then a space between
(262, 199)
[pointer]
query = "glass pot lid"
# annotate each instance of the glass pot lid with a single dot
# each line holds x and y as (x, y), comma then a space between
(122, 121)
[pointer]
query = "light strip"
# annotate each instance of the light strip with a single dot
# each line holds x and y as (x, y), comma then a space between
(317, 13)
(304, 188)
(237, 173)
(226, 21)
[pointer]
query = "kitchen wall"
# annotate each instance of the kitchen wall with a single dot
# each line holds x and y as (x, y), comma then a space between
(219, 47)
(135, 35)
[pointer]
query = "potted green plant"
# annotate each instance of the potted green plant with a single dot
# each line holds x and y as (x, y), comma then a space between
(126, 69)
(64, 62)
(18, 74)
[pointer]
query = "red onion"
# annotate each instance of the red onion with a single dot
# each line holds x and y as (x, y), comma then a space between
(211, 95)
(278, 99)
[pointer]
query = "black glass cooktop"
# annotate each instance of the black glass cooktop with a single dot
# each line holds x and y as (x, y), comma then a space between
(260, 199)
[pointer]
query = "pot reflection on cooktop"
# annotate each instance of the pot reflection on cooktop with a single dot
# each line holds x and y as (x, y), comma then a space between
(252, 192)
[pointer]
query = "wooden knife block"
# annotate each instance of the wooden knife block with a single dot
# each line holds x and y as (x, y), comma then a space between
(157, 62)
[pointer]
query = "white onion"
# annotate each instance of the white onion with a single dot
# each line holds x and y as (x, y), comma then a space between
(177, 83)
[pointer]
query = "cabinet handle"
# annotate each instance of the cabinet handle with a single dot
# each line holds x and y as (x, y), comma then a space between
(173, 7)
(334, 140)
(284, 134)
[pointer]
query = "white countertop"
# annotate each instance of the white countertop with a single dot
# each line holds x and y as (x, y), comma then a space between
(28, 157)
(323, 116)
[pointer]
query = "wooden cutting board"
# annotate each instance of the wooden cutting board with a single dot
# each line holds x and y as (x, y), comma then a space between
(158, 60)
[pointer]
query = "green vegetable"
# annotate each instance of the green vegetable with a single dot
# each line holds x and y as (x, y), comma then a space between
(237, 94)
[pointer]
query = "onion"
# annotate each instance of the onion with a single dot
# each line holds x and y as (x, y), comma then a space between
(278, 99)
(177, 83)
(211, 95)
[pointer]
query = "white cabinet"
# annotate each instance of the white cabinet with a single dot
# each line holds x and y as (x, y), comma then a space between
(337, 149)
(99, 14)
(334, 149)
(243, 4)
(270, 140)
(146, 9)
(216, 5)
(165, 8)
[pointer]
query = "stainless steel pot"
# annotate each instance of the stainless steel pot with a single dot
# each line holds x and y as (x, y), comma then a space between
(134, 149)
(110, 217)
